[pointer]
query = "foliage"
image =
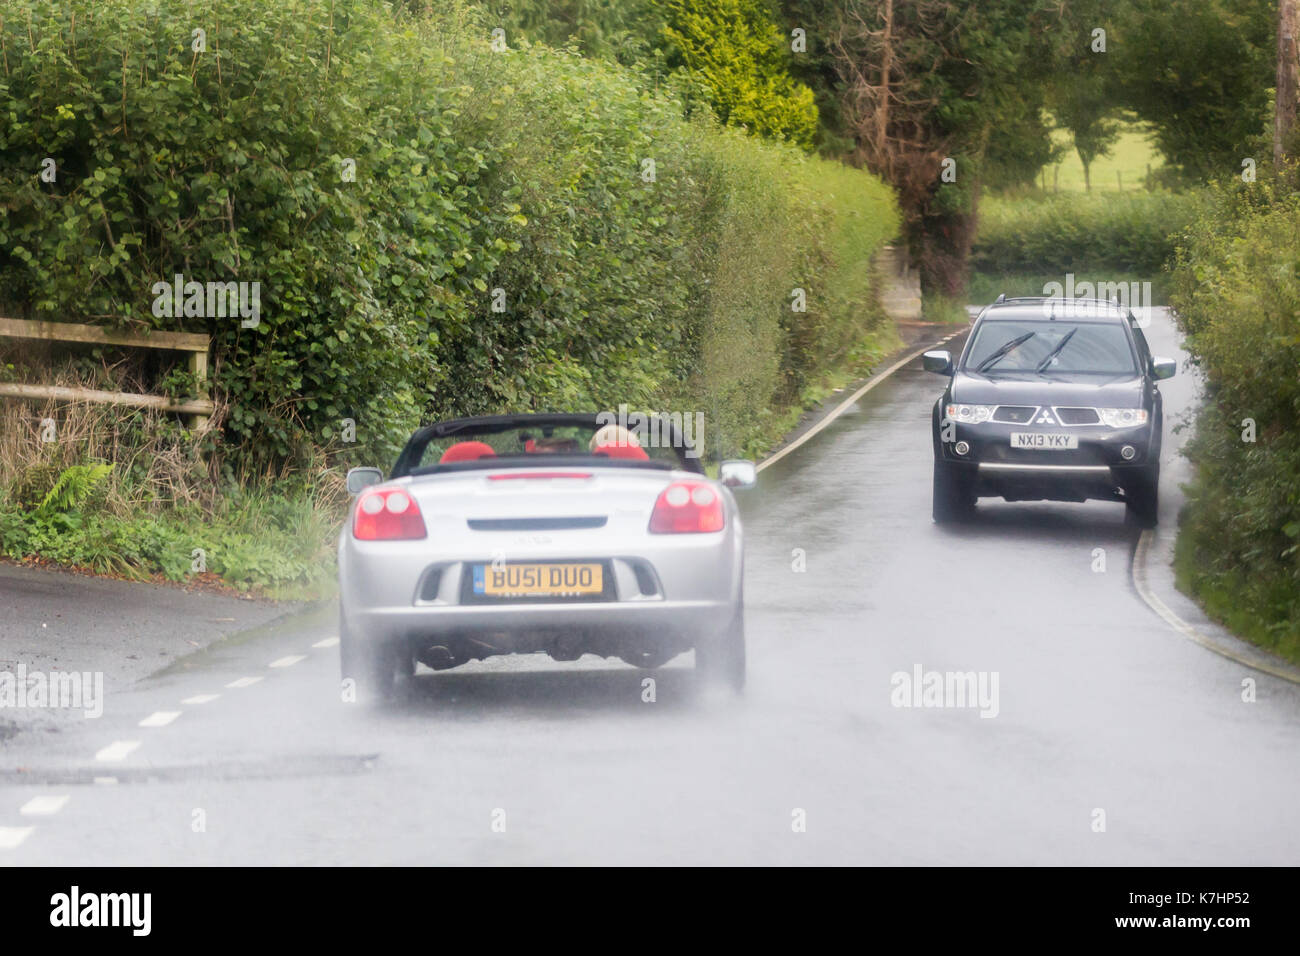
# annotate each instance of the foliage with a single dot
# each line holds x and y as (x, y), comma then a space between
(926, 86)
(1077, 232)
(735, 55)
(1199, 71)
(1081, 90)
(1237, 294)
(73, 487)
(476, 170)
(665, 284)
(274, 542)
(628, 31)
(1022, 145)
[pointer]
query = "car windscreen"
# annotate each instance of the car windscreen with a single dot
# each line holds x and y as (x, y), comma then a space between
(1058, 347)
(531, 444)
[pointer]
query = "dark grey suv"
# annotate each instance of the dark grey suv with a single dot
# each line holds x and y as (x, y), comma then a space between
(1051, 399)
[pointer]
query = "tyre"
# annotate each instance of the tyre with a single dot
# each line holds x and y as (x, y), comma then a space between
(721, 661)
(373, 666)
(1142, 496)
(954, 493)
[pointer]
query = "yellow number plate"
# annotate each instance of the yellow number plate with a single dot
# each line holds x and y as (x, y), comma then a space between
(538, 580)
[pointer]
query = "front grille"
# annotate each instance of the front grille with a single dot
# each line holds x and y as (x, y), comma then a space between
(1014, 414)
(1078, 416)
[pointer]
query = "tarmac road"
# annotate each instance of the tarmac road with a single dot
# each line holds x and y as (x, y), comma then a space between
(1103, 713)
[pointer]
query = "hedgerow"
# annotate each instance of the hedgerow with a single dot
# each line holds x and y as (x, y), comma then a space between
(1130, 233)
(436, 227)
(1237, 294)
(517, 181)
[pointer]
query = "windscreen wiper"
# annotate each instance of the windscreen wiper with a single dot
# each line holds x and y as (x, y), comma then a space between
(1056, 351)
(1002, 353)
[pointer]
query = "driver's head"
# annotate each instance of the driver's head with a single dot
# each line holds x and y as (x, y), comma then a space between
(613, 434)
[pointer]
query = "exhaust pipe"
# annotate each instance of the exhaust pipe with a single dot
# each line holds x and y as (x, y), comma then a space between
(438, 657)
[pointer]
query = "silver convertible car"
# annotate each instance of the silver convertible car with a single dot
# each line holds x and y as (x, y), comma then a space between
(541, 533)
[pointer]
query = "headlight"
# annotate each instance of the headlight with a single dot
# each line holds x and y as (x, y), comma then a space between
(1123, 417)
(970, 414)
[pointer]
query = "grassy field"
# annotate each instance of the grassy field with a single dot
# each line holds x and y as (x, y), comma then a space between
(1132, 155)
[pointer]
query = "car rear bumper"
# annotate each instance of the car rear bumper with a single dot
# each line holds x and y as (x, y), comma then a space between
(688, 620)
(681, 588)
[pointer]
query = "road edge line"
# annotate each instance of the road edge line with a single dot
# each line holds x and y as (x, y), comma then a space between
(1172, 618)
(844, 405)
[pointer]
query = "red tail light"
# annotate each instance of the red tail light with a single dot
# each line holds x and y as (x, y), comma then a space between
(387, 515)
(686, 507)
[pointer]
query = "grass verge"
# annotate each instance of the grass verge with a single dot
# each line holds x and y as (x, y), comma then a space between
(1239, 600)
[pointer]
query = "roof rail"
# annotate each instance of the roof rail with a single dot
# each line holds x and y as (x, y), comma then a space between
(1002, 297)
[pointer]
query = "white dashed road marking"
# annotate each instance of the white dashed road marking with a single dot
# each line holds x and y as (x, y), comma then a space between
(200, 699)
(117, 750)
(287, 661)
(105, 781)
(10, 837)
(160, 719)
(328, 642)
(43, 806)
(244, 682)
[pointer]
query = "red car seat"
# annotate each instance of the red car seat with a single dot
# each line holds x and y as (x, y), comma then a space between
(632, 452)
(467, 451)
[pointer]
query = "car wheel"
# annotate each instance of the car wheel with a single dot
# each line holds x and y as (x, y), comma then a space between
(954, 493)
(373, 666)
(1142, 496)
(721, 661)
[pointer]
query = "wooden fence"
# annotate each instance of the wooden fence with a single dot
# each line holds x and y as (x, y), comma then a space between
(197, 409)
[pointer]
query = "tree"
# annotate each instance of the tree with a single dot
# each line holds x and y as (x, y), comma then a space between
(1199, 72)
(926, 87)
(734, 55)
(1085, 109)
(1081, 91)
(1023, 144)
(1284, 110)
(815, 66)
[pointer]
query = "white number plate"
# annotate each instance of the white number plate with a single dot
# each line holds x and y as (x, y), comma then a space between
(1047, 441)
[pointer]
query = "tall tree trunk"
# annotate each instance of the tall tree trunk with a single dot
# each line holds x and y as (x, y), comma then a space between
(941, 243)
(886, 61)
(1284, 114)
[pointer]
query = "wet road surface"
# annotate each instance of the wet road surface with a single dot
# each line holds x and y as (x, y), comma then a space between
(1111, 739)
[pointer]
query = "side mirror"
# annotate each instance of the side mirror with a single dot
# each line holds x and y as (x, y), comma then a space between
(738, 474)
(939, 361)
(360, 479)
(1163, 367)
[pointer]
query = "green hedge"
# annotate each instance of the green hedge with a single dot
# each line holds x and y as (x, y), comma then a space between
(475, 171)
(1081, 232)
(1237, 293)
